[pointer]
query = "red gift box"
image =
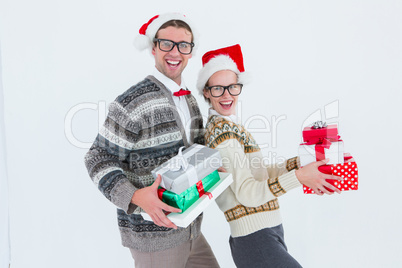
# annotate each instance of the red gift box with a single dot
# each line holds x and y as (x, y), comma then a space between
(348, 171)
(313, 135)
(322, 137)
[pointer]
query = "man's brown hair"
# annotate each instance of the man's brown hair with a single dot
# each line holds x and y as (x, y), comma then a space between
(176, 24)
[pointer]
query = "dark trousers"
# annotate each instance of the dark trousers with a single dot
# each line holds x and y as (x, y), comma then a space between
(264, 248)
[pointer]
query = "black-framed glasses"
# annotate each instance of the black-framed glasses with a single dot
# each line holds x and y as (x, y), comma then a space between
(167, 45)
(233, 89)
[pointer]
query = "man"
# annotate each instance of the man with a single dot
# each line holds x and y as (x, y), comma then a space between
(146, 126)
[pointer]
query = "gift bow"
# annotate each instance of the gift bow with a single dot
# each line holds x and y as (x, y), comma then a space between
(319, 124)
(178, 162)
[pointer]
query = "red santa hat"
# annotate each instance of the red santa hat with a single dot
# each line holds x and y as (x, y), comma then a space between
(148, 31)
(227, 58)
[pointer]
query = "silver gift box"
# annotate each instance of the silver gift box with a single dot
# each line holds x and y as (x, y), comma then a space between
(199, 160)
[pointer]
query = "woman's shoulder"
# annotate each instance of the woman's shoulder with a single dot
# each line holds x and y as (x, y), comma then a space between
(219, 129)
(220, 123)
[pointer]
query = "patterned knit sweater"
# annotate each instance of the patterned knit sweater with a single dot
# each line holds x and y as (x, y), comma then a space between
(250, 203)
(142, 130)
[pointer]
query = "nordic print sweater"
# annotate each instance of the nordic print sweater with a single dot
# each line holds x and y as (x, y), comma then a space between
(250, 203)
(142, 130)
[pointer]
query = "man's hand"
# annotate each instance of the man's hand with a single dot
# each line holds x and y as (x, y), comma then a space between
(310, 176)
(147, 198)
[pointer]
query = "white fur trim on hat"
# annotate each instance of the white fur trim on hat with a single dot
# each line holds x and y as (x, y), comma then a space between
(142, 42)
(216, 64)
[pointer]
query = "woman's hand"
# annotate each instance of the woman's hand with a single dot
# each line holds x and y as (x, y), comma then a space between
(222, 169)
(310, 176)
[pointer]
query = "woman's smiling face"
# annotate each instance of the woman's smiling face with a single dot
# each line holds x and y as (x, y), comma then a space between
(225, 104)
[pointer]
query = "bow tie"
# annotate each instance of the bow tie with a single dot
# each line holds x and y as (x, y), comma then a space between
(181, 92)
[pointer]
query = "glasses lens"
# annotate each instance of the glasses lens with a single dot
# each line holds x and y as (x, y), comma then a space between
(217, 91)
(165, 45)
(185, 48)
(235, 89)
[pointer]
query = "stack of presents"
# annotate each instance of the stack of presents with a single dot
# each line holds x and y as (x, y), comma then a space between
(190, 182)
(321, 141)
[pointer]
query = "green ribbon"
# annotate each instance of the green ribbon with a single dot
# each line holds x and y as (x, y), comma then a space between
(184, 200)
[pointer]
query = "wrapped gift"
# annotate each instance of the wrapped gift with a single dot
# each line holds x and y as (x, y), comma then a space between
(316, 152)
(191, 194)
(188, 167)
(189, 215)
(321, 142)
(318, 131)
(348, 171)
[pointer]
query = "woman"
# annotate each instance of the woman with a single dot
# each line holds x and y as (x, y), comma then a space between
(250, 204)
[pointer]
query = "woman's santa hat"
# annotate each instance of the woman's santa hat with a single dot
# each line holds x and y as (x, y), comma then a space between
(227, 58)
(148, 31)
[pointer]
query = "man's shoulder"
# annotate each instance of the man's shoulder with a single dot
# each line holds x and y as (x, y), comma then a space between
(147, 88)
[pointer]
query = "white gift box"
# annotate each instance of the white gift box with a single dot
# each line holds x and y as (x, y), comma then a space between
(334, 153)
(184, 219)
(188, 167)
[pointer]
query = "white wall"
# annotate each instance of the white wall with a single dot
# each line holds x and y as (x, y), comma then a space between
(303, 55)
(4, 204)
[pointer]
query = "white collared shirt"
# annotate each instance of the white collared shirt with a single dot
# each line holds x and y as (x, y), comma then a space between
(180, 102)
(231, 117)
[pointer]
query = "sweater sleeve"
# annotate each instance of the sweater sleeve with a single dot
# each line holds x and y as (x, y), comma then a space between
(279, 174)
(248, 190)
(105, 158)
(278, 169)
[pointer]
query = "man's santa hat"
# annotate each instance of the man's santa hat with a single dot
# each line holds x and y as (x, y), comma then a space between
(148, 31)
(227, 58)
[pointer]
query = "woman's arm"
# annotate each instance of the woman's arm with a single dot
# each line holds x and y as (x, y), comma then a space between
(249, 190)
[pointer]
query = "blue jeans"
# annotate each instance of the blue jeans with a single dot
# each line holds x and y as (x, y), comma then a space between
(264, 248)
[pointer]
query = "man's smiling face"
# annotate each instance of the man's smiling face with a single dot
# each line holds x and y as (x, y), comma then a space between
(172, 63)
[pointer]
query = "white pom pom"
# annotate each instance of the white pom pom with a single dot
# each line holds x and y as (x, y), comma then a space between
(245, 78)
(142, 42)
